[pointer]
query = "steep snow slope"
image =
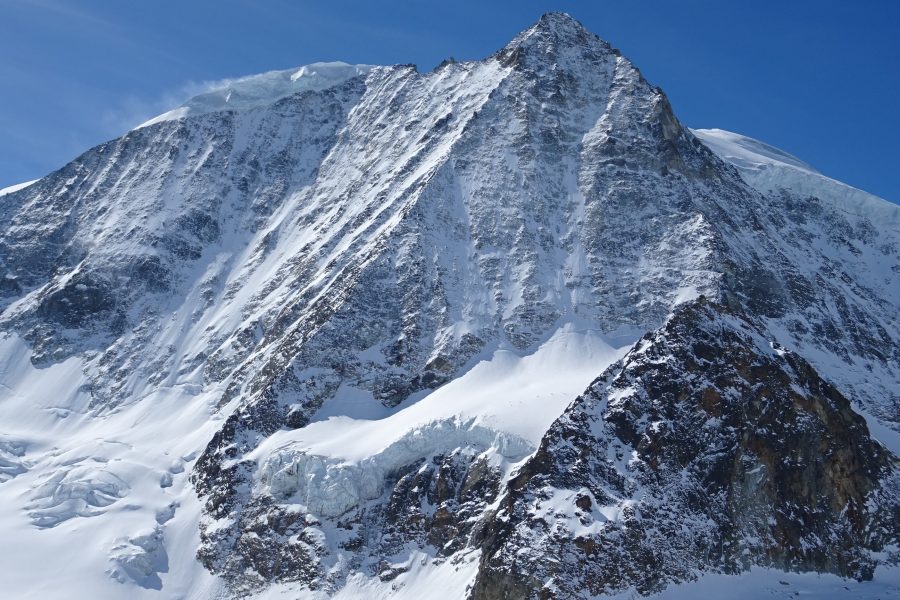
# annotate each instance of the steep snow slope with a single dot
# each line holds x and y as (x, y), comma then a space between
(347, 301)
(747, 154)
(263, 90)
(774, 171)
(86, 488)
(15, 188)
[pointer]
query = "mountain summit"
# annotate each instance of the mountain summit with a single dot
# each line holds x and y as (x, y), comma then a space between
(505, 329)
(555, 29)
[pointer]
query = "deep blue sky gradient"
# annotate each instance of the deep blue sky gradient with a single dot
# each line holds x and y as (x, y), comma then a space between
(819, 79)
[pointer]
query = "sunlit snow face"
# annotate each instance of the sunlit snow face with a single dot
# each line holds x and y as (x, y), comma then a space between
(260, 90)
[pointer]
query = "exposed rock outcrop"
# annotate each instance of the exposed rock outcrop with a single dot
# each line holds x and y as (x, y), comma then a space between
(707, 448)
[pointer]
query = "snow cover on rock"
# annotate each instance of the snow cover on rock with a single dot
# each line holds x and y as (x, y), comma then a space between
(815, 214)
(262, 90)
(748, 154)
(505, 402)
(15, 188)
(706, 448)
(771, 170)
(343, 303)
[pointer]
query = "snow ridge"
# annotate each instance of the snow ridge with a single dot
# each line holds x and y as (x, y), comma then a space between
(771, 170)
(261, 90)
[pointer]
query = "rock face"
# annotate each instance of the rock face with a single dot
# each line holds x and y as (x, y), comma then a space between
(707, 447)
(337, 245)
(434, 503)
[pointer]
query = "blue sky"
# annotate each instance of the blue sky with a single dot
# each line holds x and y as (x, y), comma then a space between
(819, 79)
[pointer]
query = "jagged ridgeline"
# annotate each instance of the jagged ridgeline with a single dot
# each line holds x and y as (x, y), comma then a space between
(503, 329)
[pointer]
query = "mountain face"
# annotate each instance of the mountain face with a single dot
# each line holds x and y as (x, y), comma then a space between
(706, 447)
(329, 331)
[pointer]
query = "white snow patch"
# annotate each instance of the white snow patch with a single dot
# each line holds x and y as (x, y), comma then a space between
(748, 153)
(17, 187)
(771, 583)
(427, 578)
(769, 169)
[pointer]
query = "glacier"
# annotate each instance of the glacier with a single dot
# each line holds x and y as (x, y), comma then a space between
(263, 90)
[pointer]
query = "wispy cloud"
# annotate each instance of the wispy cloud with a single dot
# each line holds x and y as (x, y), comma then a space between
(135, 110)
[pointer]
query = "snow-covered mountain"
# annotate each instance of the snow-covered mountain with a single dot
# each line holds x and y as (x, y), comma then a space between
(329, 331)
